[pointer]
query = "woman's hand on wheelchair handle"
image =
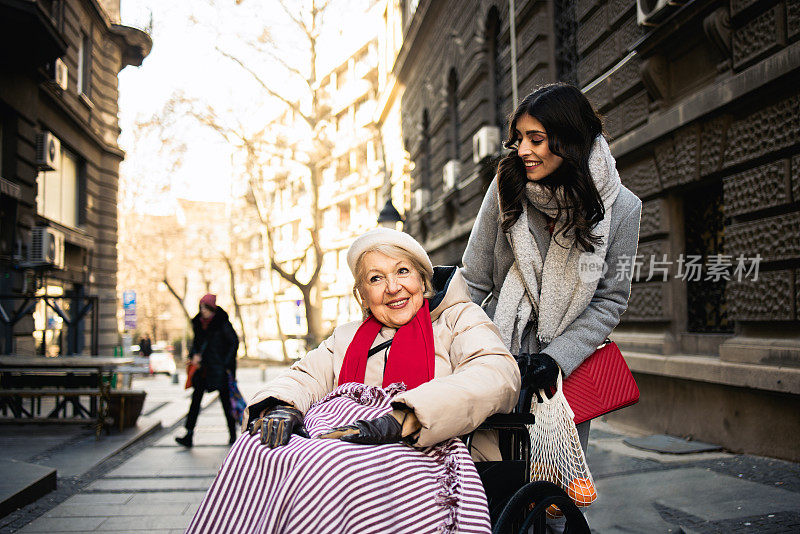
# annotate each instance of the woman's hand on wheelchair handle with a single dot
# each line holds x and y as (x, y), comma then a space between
(277, 425)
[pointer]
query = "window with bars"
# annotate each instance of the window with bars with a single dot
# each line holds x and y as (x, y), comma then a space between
(704, 223)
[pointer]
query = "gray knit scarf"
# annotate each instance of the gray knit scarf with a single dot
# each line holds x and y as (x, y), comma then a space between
(564, 294)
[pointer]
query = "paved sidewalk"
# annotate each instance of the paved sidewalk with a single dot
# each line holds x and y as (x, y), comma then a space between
(643, 492)
(157, 486)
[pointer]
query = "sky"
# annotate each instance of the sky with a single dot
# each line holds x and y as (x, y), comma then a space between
(184, 59)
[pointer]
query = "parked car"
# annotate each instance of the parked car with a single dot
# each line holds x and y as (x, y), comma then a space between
(162, 361)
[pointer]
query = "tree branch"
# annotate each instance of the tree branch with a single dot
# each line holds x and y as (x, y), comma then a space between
(299, 22)
(293, 105)
(177, 297)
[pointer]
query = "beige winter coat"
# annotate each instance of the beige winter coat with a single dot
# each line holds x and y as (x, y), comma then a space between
(475, 376)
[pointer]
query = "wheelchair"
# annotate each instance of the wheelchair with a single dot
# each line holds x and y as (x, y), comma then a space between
(517, 504)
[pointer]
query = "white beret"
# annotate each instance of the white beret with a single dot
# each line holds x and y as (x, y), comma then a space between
(387, 236)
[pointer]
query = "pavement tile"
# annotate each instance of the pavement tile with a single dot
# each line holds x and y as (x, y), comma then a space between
(627, 503)
(211, 435)
(603, 462)
(63, 524)
(617, 446)
(112, 510)
(81, 457)
(160, 462)
(150, 497)
(151, 484)
(98, 498)
(726, 497)
(147, 523)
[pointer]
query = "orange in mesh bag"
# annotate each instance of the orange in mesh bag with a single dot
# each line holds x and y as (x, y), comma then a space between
(556, 453)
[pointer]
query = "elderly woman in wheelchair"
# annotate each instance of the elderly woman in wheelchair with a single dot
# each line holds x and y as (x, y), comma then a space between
(361, 434)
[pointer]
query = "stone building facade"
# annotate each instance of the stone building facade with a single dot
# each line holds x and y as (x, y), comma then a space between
(58, 251)
(702, 108)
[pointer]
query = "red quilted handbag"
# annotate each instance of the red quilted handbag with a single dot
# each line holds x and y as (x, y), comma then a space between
(601, 384)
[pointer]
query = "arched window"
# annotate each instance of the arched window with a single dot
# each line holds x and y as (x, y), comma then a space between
(452, 108)
(425, 152)
(492, 38)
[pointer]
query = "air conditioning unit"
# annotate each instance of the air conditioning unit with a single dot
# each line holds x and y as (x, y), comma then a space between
(48, 151)
(421, 198)
(60, 74)
(486, 142)
(450, 173)
(46, 247)
(651, 12)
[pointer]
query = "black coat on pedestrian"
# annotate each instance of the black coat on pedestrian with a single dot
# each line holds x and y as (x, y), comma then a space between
(217, 345)
(145, 347)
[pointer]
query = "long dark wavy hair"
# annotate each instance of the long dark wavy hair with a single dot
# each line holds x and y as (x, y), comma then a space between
(572, 126)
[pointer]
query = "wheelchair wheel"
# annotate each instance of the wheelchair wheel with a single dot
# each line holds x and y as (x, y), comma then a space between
(517, 512)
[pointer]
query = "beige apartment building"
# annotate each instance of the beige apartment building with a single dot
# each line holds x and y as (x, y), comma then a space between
(350, 197)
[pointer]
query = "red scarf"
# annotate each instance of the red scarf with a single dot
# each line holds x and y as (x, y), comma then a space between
(410, 357)
(205, 322)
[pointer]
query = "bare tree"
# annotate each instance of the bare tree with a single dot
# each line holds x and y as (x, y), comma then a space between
(237, 310)
(311, 114)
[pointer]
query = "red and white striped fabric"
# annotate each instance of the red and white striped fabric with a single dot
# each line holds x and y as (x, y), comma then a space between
(321, 485)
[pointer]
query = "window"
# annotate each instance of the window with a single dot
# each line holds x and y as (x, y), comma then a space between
(707, 308)
(452, 108)
(60, 191)
(84, 64)
(341, 77)
(343, 166)
(344, 215)
(363, 112)
(361, 158)
(494, 105)
(425, 168)
(48, 326)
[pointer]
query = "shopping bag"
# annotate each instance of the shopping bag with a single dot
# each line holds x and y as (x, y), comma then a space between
(191, 369)
(238, 403)
(556, 453)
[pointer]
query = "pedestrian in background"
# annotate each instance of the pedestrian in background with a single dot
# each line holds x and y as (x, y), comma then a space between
(145, 346)
(555, 206)
(214, 351)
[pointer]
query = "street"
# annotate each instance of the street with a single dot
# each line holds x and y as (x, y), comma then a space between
(155, 485)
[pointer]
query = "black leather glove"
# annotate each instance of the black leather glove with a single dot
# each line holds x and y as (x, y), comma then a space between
(384, 429)
(258, 410)
(538, 371)
(278, 425)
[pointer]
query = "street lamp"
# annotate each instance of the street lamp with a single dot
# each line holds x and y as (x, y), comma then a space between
(389, 216)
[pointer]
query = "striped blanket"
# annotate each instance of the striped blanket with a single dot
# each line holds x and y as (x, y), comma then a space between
(327, 486)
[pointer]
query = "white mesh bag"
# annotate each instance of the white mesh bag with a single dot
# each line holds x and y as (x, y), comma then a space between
(556, 454)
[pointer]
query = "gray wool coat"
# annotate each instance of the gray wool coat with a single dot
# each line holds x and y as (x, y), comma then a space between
(488, 258)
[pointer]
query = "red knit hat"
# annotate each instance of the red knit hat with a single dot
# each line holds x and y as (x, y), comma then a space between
(209, 300)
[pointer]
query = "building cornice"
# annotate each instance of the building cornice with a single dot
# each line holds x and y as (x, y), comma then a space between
(424, 17)
(82, 125)
(710, 99)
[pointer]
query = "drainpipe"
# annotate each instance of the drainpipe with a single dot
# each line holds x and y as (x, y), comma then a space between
(513, 28)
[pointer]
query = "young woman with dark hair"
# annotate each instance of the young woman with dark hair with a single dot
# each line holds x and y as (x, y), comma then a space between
(554, 215)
